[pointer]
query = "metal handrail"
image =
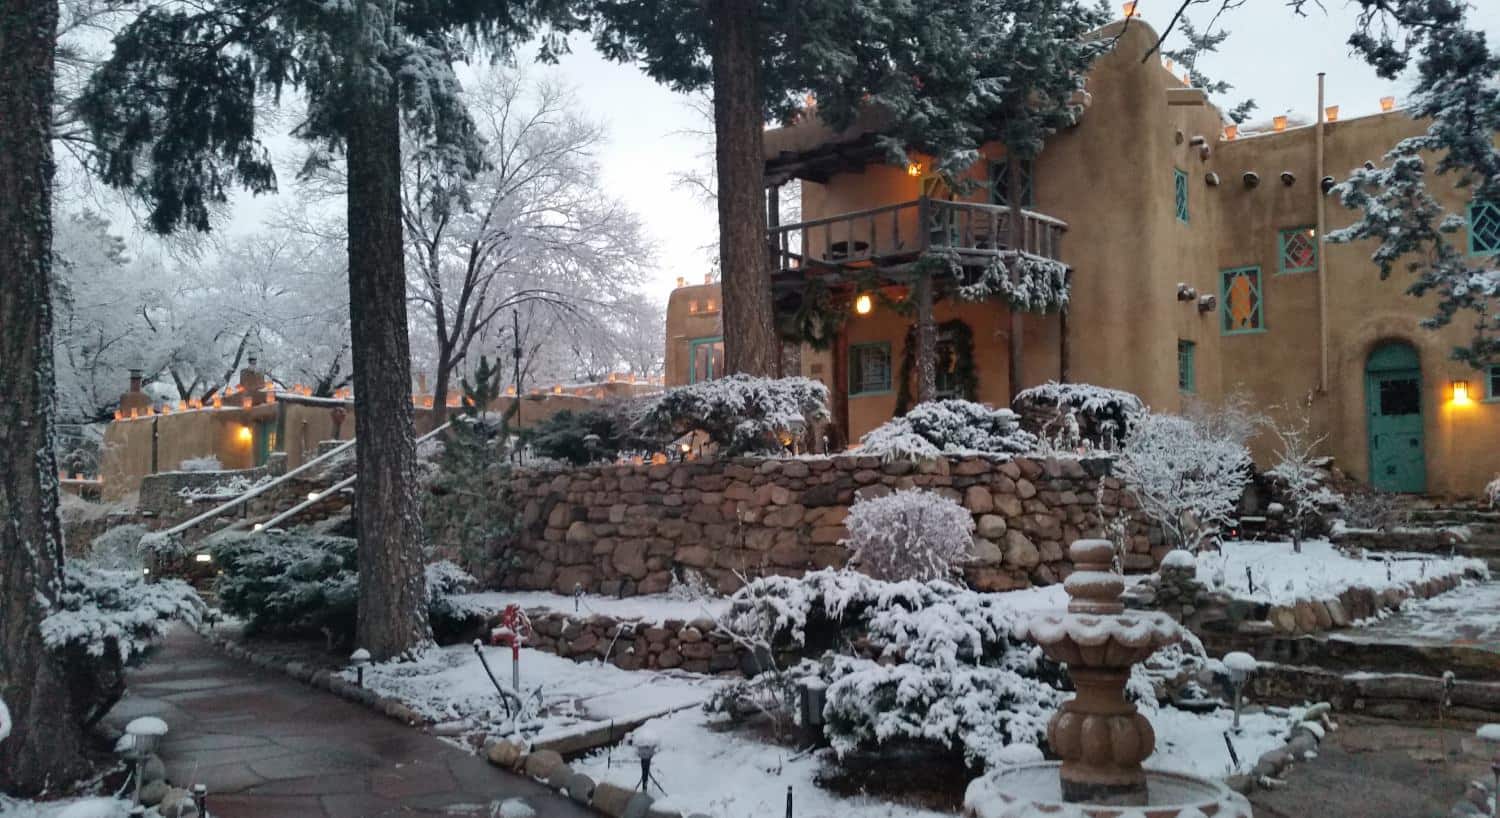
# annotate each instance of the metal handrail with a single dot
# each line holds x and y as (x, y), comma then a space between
(336, 487)
(255, 491)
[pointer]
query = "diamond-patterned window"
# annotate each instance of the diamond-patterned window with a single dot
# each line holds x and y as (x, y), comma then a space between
(1243, 309)
(1000, 182)
(1484, 228)
(1299, 250)
(1180, 192)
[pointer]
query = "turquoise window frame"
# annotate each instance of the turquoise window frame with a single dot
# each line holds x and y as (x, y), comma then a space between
(1180, 194)
(693, 358)
(1281, 245)
(1256, 289)
(1492, 384)
(854, 352)
(1187, 370)
(1490, 211)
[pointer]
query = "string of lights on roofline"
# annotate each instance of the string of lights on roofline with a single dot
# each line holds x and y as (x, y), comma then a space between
(1278, 123)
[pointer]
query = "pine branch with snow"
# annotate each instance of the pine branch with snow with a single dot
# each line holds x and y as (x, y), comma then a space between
(937, 428)
(116, 614)
(740, 413)
(1186, 479)
(910, 534)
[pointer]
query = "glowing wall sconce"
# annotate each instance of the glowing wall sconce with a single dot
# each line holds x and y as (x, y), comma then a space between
(863, 304)
(914, 169)
(1331, 113)
(245, 435)
(1461, 393)
(1387, 103)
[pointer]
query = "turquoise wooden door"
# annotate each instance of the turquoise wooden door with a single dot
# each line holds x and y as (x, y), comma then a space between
(1393, 402)
(265, 441)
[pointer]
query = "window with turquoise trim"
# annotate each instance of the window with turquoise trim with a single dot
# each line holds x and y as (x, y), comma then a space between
(1484, 228)
(869, 369)
(1180, 192)
(1240, 294)
(1299, 250)
(706, 359)
(1187, 377)
(1492, 383)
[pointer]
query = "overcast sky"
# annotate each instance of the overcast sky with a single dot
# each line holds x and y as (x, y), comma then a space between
(1271, 56)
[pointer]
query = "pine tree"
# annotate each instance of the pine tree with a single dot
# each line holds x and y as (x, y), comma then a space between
(173, 117)
(1456, 91)
(1200, 43)
(945, 74)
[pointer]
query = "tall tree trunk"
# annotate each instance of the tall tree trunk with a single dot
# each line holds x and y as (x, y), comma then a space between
(440, 385)
(926, 338)
(392, 591)
(45, 747)
(749, 332)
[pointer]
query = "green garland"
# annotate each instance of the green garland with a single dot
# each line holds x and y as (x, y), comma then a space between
(818, 318)
(964, 373)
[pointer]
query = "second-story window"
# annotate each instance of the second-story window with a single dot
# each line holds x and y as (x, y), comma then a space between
(1484, 228)
(1180, 193)
(1299, 250)
(1000, 182)
(1242, 308)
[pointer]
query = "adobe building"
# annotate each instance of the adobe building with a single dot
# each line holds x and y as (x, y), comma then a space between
(1195, 266)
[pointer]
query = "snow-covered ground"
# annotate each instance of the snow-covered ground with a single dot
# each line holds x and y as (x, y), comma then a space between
(69, 808)
(1320, 571)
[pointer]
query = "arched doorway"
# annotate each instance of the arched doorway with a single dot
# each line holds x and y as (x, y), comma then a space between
(1393, 408)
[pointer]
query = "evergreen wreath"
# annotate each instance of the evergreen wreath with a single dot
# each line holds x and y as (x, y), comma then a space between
(964, 374)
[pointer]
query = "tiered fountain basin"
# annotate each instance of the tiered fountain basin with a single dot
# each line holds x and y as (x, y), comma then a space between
(1100, 737)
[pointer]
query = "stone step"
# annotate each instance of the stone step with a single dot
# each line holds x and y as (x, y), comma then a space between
(1406, 696)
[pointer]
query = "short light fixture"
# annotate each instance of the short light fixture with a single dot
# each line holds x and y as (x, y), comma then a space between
(245, 435)
(863, 304)
(1387, 103)
(312, 495)
(1279, 122)
(1461, 393)
(1130, 10)
(203, 558)
(359, 659)
(1331, 113)
(681, 281)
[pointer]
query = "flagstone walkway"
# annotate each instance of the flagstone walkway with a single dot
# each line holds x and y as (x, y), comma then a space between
(268, 746)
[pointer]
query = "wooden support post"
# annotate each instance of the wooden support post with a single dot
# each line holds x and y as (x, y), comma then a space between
(926, 340)
(840, 431)
(1018, 243)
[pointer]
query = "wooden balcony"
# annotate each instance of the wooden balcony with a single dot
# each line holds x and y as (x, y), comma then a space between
(890, 238)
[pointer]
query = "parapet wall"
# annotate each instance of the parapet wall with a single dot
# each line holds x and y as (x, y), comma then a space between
(625, 529)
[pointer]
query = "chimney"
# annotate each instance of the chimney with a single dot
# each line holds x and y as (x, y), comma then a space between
(135, 380)
(134, 398)
(252, 381)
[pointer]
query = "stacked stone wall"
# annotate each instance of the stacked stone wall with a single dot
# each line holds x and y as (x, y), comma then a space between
(628, 529)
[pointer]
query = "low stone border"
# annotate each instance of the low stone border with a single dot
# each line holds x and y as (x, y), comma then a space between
(321, 678)
(696, 646)
(548, 767)
(1385, 695)
(1301, 745)
(545, 766)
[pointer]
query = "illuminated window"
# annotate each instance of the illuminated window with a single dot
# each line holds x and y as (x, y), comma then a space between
(869, 369)
(1187, 378)
(1000, 182)
(1180, 192)
(1299, 250)
(1243, 309)
(1484, 228)
(706, 360)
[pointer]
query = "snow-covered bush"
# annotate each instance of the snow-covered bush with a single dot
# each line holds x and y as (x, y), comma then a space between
(912, 534)
(1492, 492)
(739, 413)
(587, 436)
(948, 427)
(118, 549)
(1101, 414)
(937, 662)
(1299, 476)
(1187, 479)
(4, 721)
(209, 463)
(300, 581)
(1374, 510)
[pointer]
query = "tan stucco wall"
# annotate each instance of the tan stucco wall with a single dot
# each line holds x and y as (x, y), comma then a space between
(684, 325)
(1111, 179)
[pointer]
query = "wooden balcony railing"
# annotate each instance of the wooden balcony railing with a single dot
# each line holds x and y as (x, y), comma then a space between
(893, 234)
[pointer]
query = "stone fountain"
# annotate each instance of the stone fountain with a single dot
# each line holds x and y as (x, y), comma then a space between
(1099, 736)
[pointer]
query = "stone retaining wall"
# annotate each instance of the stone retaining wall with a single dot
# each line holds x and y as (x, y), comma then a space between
(697, 646)
(625, 529)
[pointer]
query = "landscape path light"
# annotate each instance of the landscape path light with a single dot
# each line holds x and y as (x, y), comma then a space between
(646, 743)
(359, 658)
(145, 734)
(1240, 666)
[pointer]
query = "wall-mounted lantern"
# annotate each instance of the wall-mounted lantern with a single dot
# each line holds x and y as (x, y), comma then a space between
(863, 304)
(1460, 391)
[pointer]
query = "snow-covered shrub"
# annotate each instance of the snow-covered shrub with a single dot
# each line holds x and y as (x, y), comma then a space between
(1187, 479)
(739, 413)
(1235, 418)
(209, 463)
(1100, 413)
(948, 427)
(912, 534)
(938, 663)
(1299, 476)
(4, 721)
(118, 548)
(1374, 510)
(1492, 492)
(104, 620)
(587, 436)
(300, 581)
